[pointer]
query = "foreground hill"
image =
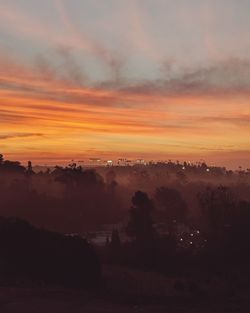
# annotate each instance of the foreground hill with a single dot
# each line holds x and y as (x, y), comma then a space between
(30, 253)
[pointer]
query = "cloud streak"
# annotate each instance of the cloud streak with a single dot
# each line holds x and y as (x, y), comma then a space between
(19, 135)
(64, 105)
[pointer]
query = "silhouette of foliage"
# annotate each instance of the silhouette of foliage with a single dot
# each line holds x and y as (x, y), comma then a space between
(36, 254)
(140, 225)
(171, 203)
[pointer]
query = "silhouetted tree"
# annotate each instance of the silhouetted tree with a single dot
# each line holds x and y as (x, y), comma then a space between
(115, 240)
(172, 205)
(111, 181)
(12, 166)
(217, 204)
(30, 168)
(114, 247)
(110, 176)
(140, 225)
(238, 232)
(1, 159)
(107, 243)
(74, 177)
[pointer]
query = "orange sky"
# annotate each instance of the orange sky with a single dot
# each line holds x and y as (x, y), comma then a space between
(52, 114)
(48, 121)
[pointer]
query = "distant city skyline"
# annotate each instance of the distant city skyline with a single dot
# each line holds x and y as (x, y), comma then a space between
(99, 162)
(151, 79)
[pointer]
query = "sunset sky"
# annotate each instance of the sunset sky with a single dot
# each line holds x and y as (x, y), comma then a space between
(156, 79)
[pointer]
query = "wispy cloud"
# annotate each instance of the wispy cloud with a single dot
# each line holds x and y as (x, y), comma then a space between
(231, 76)
(59, 108)
(19, 135)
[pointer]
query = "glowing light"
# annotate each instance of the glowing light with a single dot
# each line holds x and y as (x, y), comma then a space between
(109, 162)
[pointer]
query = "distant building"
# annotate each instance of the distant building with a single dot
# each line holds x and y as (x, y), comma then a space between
(123, 162)
(109, 163)
(95, 161)
(140, 162)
